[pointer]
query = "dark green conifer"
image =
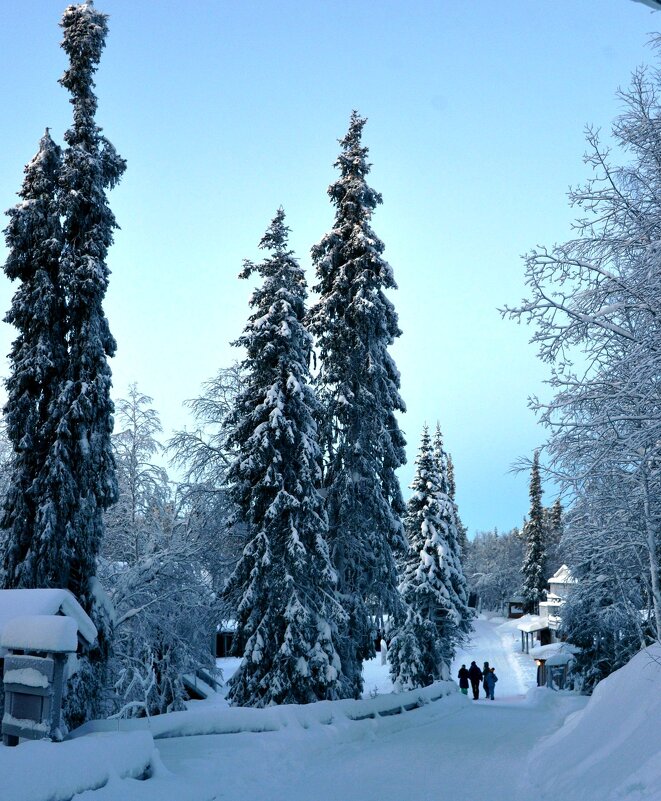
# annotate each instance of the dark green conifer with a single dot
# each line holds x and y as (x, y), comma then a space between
(284, 585)
(534, 562)
(355, 324)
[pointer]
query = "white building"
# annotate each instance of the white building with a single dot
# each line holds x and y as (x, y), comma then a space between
(550, 610)
(542, 628)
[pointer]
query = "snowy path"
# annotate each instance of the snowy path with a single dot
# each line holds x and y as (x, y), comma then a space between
(497, 641)
(454, 749)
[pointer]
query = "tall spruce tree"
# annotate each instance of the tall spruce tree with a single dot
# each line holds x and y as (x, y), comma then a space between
(450, 527)
(554, 526)
(426, 627)
(284, 585)
(59, 389)
(555, 521)
(38, 360)
(452, 489)
(82, 452)
(534, 562)
(358, 382)
(90, 165)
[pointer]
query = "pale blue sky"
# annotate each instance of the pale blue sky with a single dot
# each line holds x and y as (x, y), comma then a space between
(225, 110)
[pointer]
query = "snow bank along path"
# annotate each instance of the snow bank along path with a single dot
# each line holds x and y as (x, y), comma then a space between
(208, 719)
(44, 771)
(613, 746)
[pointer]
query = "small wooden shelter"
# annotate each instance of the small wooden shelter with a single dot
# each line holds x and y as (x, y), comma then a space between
(553, 664)
(534, 630)
(40, 632)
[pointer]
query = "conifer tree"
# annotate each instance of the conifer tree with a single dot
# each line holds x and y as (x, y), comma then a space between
(38, 360)
(555, 521)
(554, 552)
(534, 567)
(90, 166)
(59, 409)
(450, 527)
(284, 585)
(462, 534)
(355, 324)
(427, 625)
(452, 486)
(81, 466)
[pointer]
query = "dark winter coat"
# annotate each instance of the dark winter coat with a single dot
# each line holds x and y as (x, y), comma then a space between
(491, 680)
(463, 678)
(474, 674)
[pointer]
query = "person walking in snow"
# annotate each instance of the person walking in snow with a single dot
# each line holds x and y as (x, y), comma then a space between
(485, 670)
(463, 679)
(475, 676)
(490, 681)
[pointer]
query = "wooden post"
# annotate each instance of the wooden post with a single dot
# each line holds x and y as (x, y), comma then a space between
(56, 699)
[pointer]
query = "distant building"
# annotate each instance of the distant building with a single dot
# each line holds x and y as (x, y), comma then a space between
(543, 628)
(516, 607)
(225, 633)
(550, 610)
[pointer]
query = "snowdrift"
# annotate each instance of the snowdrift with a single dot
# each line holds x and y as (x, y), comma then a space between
(232, 720)
(45, 771)
(611, 749)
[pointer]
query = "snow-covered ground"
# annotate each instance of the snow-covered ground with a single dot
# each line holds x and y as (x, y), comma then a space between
(515, 748)
(497, 641)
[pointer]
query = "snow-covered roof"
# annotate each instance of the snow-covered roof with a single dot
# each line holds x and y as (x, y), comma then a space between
(531, 623)
(562, 576)
(26, 603)
(554, 649)
(52, 633)
(559, 659)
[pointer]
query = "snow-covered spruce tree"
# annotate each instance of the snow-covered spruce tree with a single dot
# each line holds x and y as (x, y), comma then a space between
(462, 533)
(553, 520)
(83, 453)
(283, 588)
(533, 569)
(426, 627)
(358, 382)
(38, 360)
(450, 528)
